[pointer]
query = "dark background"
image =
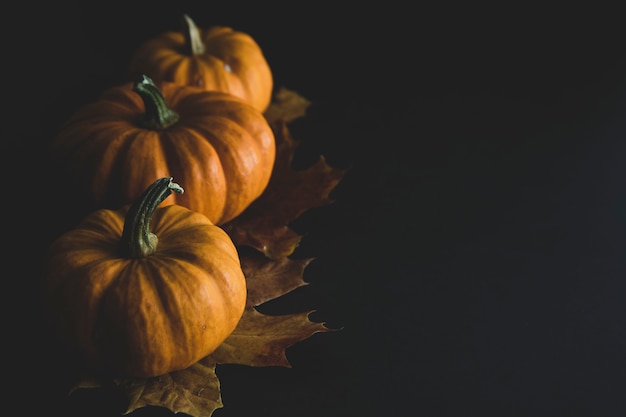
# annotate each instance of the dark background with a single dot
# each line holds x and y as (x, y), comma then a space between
(475, 252)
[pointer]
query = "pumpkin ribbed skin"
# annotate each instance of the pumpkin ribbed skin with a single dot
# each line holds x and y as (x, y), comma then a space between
(221, 148)
(226, 60)
(145, 316)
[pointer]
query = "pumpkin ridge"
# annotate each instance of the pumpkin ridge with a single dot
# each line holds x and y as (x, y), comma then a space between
(237, 165)
(179, 288)
(180, 69)
(143, 158)
(186, 219)
(130, 323)
(180, 148)
(102, 155)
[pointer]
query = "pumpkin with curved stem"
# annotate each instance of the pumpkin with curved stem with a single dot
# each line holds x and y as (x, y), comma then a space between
(216, 58)
(145, 290)
(219, 146)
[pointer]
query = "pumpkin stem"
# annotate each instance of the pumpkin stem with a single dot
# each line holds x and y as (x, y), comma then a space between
(137, 240)
(193, 41)
(158, 115)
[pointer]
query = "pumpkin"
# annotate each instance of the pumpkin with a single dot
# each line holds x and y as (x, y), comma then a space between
(216, 58)
(219, 146)
(144, 290)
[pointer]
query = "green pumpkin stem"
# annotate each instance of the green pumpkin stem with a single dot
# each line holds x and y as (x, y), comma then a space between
(193, 41)
(158, 115)
(137, 239)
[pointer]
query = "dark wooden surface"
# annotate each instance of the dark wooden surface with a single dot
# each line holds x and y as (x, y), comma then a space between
(475, 251)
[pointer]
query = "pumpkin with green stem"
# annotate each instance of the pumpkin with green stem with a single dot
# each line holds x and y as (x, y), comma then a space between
(215, 58)
(144, 290)
(219, 146)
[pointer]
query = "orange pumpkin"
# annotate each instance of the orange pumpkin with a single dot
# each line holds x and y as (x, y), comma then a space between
(144, 290)
(216, 58)
(219, 146)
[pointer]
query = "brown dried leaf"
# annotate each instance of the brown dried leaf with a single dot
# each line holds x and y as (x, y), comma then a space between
(261, 340)
(194, 391)
(286, 105)
(87, 381)
(268, 279)
(264, 225)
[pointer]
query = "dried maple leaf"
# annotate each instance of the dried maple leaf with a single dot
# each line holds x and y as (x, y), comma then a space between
(287, 105)
(259, 339)
(264, 225)
(270, 278)
(194, 391)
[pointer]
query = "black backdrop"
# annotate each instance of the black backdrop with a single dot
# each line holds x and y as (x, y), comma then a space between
(474, 254)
